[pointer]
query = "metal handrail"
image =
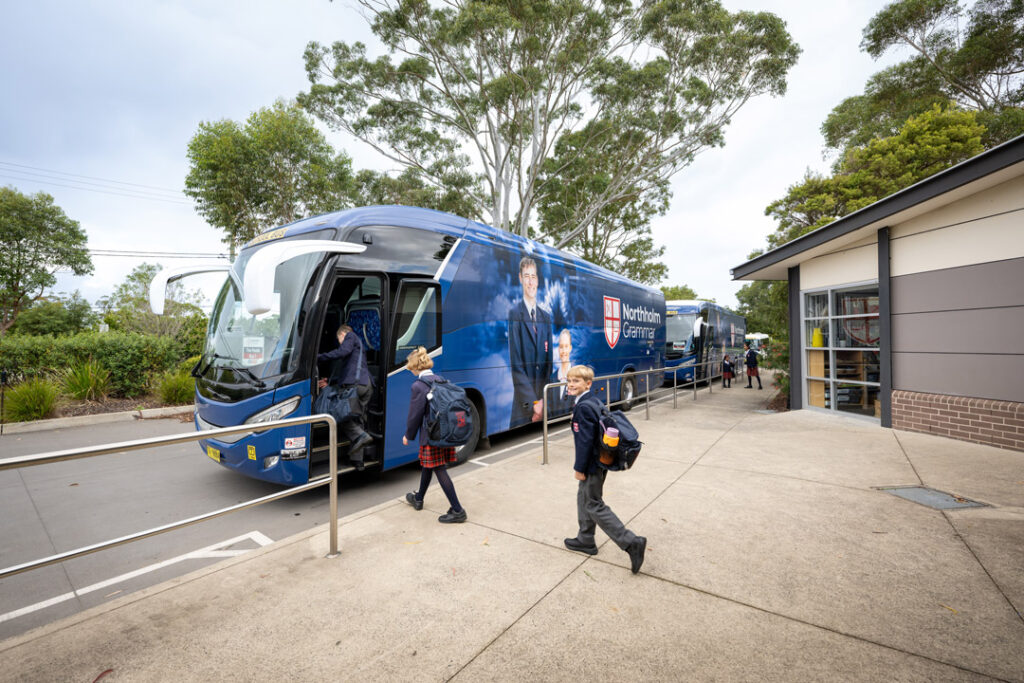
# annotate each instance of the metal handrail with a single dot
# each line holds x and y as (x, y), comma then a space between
(104, 449)
(632, 373)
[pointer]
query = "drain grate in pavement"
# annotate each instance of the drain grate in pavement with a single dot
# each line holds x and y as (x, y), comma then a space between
(940, 500)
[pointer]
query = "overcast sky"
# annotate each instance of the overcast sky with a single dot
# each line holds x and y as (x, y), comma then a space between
(98, 100)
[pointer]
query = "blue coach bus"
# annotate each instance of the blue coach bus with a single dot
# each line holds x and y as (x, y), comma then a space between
(501, 315)
(699, 332)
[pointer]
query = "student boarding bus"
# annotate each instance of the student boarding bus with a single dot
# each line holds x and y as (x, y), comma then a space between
(699, 332)
(501, 316)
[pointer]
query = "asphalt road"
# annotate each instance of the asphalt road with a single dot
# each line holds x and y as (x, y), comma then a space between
(50, 509)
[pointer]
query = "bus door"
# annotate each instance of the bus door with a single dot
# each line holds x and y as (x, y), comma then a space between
(699, 348)
(416, 321)
(357, 300)
(703, 344)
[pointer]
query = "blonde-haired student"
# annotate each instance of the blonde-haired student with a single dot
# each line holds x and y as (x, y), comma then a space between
(433, 459)
(591, 510)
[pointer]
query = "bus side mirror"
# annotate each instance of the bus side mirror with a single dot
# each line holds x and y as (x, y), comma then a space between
(158, 287)
(258, 286)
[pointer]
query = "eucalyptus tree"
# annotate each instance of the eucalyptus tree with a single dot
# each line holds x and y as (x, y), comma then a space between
(479, 94)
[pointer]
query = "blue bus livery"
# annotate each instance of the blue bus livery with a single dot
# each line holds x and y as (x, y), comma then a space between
(699, 332)
(501, 315)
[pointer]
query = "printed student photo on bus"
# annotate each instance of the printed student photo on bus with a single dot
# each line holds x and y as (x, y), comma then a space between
(530, 333)
(561, 401)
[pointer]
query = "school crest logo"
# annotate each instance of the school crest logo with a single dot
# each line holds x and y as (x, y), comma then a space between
(612, 320)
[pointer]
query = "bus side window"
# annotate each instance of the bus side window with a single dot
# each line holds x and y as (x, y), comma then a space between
(416, 319)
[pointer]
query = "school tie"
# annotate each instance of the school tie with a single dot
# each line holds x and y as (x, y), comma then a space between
(533, 319)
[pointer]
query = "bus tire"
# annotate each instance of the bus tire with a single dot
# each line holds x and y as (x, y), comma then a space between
(464, 452)
(627, 392)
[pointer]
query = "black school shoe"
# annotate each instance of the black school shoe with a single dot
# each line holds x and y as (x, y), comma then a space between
(411, 499)
(636, 553)
(452, 517)
(575, 544)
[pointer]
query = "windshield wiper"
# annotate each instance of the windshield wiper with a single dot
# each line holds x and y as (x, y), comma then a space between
(206, 367)
(257, 382)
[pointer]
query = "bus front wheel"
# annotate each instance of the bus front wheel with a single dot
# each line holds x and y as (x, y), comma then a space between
(463, 452)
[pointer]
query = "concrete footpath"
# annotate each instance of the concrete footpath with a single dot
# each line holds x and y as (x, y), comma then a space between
(772, 556)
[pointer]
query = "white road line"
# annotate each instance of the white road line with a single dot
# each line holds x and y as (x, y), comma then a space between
(209, 552)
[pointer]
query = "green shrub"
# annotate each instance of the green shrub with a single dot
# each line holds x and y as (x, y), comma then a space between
(86, 381)
(176, 388)
(33, 399)
(130, 357)
(189, 363)
(193, 334)
(778, 360)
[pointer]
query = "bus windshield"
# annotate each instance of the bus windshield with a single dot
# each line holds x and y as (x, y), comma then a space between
(261, 345)
(679, 331)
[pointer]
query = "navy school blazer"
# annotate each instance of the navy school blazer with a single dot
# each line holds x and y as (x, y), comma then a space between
(586, 432)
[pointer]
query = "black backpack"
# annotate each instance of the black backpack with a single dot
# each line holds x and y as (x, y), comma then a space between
(450, 417)
(622, 456)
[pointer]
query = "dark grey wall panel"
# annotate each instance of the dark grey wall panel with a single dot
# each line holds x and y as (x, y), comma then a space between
(796, 394)
(976, 331)
(995, 377)
(884, 327)
(1000, 283)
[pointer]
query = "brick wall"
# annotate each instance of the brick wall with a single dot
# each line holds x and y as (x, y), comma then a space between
(993, 423)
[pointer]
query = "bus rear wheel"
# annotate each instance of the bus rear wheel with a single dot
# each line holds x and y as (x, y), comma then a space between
(627, 392)
(465, 451)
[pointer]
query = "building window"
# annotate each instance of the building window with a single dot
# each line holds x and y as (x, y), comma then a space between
(840, 343)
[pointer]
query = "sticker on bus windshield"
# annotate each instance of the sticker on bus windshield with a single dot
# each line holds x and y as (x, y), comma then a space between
(252, 350)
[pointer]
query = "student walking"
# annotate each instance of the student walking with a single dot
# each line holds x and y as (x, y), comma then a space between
(591, 510)
(727, 372)
(433, 459)
(750, 355)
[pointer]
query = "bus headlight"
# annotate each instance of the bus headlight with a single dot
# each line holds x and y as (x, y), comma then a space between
(270, 461)
(277, 412)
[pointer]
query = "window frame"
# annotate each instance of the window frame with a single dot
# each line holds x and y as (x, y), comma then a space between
(396, 363)
(831, 321)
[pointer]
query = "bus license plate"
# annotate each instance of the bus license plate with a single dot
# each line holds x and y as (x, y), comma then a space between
(213, 453)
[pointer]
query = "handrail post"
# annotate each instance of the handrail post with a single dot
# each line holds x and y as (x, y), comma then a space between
(608, 392)
(332, 430)
(675, 376)
(545, 460)
(647, 403)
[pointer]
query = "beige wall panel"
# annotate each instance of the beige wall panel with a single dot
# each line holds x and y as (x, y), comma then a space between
(1002, 198)
(859, 264)
(993, 238)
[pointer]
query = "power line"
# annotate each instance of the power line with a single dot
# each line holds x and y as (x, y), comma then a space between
(78, 175)
(47, 177)
(134, 253)
(89, 189)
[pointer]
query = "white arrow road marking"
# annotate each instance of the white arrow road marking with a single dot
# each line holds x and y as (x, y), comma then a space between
(209, 552)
